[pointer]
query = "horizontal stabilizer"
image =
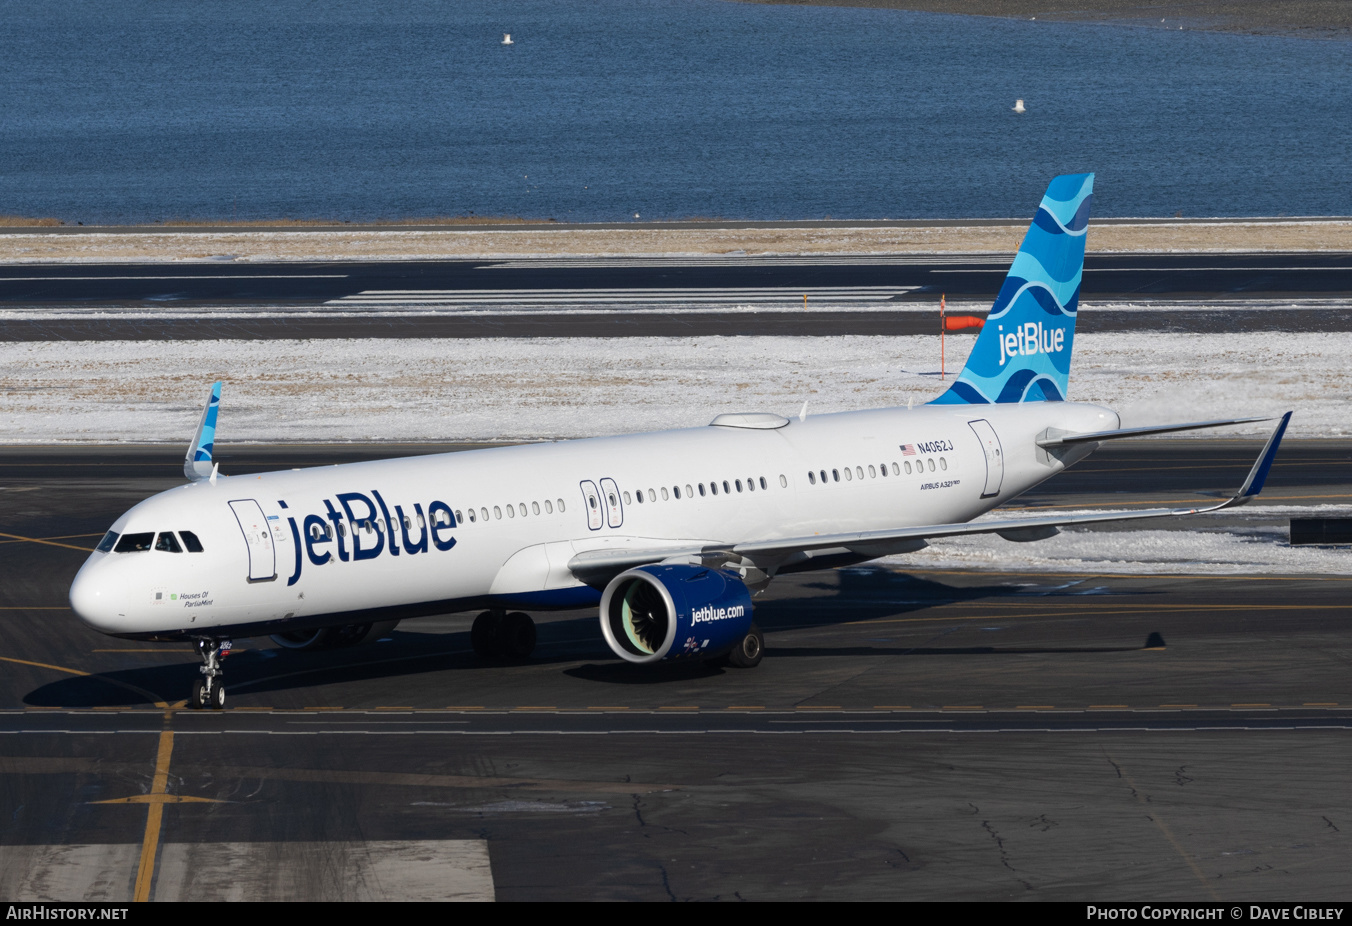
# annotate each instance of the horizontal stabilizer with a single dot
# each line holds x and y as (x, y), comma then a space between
(1062, 440)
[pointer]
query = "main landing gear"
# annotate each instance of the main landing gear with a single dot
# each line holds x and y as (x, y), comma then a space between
(497, 635)
(208, 691)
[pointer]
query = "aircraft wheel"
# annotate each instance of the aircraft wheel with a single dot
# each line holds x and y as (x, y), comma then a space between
(485, 635)
(749, 650)
(517, 635)
(217, 698)
(198, 700)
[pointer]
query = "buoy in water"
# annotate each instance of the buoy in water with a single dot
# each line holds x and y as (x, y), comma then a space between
(507, 38)
(1019, 107)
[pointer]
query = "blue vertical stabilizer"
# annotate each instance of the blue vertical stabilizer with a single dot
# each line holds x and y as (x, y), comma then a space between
(1023, 352)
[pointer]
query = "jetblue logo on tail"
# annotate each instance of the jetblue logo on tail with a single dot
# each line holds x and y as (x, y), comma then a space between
(1023, 352)
(1030, 338)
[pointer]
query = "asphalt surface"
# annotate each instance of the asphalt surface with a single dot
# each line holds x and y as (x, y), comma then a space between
(619, 298)
(932, 735)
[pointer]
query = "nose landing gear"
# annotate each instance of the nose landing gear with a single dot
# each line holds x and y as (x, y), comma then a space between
(208, 691)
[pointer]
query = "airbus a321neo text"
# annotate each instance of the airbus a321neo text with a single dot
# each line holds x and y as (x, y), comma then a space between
(670, 534)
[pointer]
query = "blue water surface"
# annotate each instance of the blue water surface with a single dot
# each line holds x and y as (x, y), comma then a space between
(142, 111)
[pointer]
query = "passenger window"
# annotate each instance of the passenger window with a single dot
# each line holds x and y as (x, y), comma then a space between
(652, 496)
(535, 507)
(848, 474)
(882, 470)
(859, 471)
(701, 488)
(688, 492)
(823, 475)
(713, 488)
(483, 515)
(422, 523)
(627, 499)
(559, 502)
(811, 478)
(511, 512)
(783, 481)
(168, 543)
(549, 507)
(591, 500)
(106, 544)
(191, 542)
(931, 464)
(522, 508)
(459, 518)
(471, 516)
(342, 528)
(871, 473)
(896, 471)
(943, 463)
(836, 474)
(639, 495)
(497, 512)
(135, 543)
(908, 467)
(665, 496)
(727, 489)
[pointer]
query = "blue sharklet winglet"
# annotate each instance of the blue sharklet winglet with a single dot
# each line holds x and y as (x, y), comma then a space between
(197, 464)
(1261, 467)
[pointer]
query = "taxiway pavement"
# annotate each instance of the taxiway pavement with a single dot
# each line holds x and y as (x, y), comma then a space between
(610, 297)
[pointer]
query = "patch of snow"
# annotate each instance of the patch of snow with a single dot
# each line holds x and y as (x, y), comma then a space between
(540, 388)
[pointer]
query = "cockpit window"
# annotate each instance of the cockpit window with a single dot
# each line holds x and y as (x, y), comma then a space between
(168, 543)
(191, 542)
(135, 543)
(106, 544)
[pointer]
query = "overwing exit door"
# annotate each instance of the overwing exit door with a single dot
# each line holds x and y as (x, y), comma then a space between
(262, 552)
(995, 458)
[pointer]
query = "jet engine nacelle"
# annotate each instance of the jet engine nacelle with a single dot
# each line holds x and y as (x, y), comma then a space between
(659, 612)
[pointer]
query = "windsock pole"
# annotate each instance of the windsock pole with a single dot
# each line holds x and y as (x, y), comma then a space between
(942, 325)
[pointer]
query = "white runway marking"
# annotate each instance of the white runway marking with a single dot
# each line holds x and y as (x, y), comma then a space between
(635, 296)
(451, 869)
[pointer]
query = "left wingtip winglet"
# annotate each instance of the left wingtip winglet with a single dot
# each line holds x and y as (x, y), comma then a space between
(197, 463)
(1258, 475)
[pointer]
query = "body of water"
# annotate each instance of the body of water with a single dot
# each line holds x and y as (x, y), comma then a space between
(600, 109)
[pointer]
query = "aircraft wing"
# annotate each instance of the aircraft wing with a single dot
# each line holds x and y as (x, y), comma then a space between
(595, 565)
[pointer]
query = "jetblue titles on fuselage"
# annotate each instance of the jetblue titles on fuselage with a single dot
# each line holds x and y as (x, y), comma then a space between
(376, 528)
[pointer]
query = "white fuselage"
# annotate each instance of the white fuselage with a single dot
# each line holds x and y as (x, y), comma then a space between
(340, 544)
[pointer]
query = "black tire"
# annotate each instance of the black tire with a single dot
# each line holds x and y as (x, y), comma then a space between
(217, 697)
(517, 635)
(198, 699)
(321, 638)
(486, 634)
(749, 650)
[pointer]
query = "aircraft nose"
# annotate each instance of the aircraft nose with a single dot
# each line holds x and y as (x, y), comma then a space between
(95, 599)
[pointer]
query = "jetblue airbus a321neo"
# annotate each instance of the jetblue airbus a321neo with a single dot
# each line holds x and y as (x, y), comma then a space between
(669, 533)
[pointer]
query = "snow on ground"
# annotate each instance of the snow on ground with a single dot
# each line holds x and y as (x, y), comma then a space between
(1248, 549)
(539, 388)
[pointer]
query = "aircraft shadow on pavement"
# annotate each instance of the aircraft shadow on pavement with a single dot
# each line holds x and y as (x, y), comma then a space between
(860, 595)
(263, 670)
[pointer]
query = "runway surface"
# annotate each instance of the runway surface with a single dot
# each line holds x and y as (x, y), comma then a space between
(645, 297)
(927, 735)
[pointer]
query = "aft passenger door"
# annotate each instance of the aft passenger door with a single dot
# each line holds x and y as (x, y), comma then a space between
(995, 458)
(262, 552)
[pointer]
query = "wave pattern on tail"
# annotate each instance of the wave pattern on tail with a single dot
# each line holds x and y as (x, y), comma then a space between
(1023, 352)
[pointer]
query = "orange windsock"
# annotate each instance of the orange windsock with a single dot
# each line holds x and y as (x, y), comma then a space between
(958, 322)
